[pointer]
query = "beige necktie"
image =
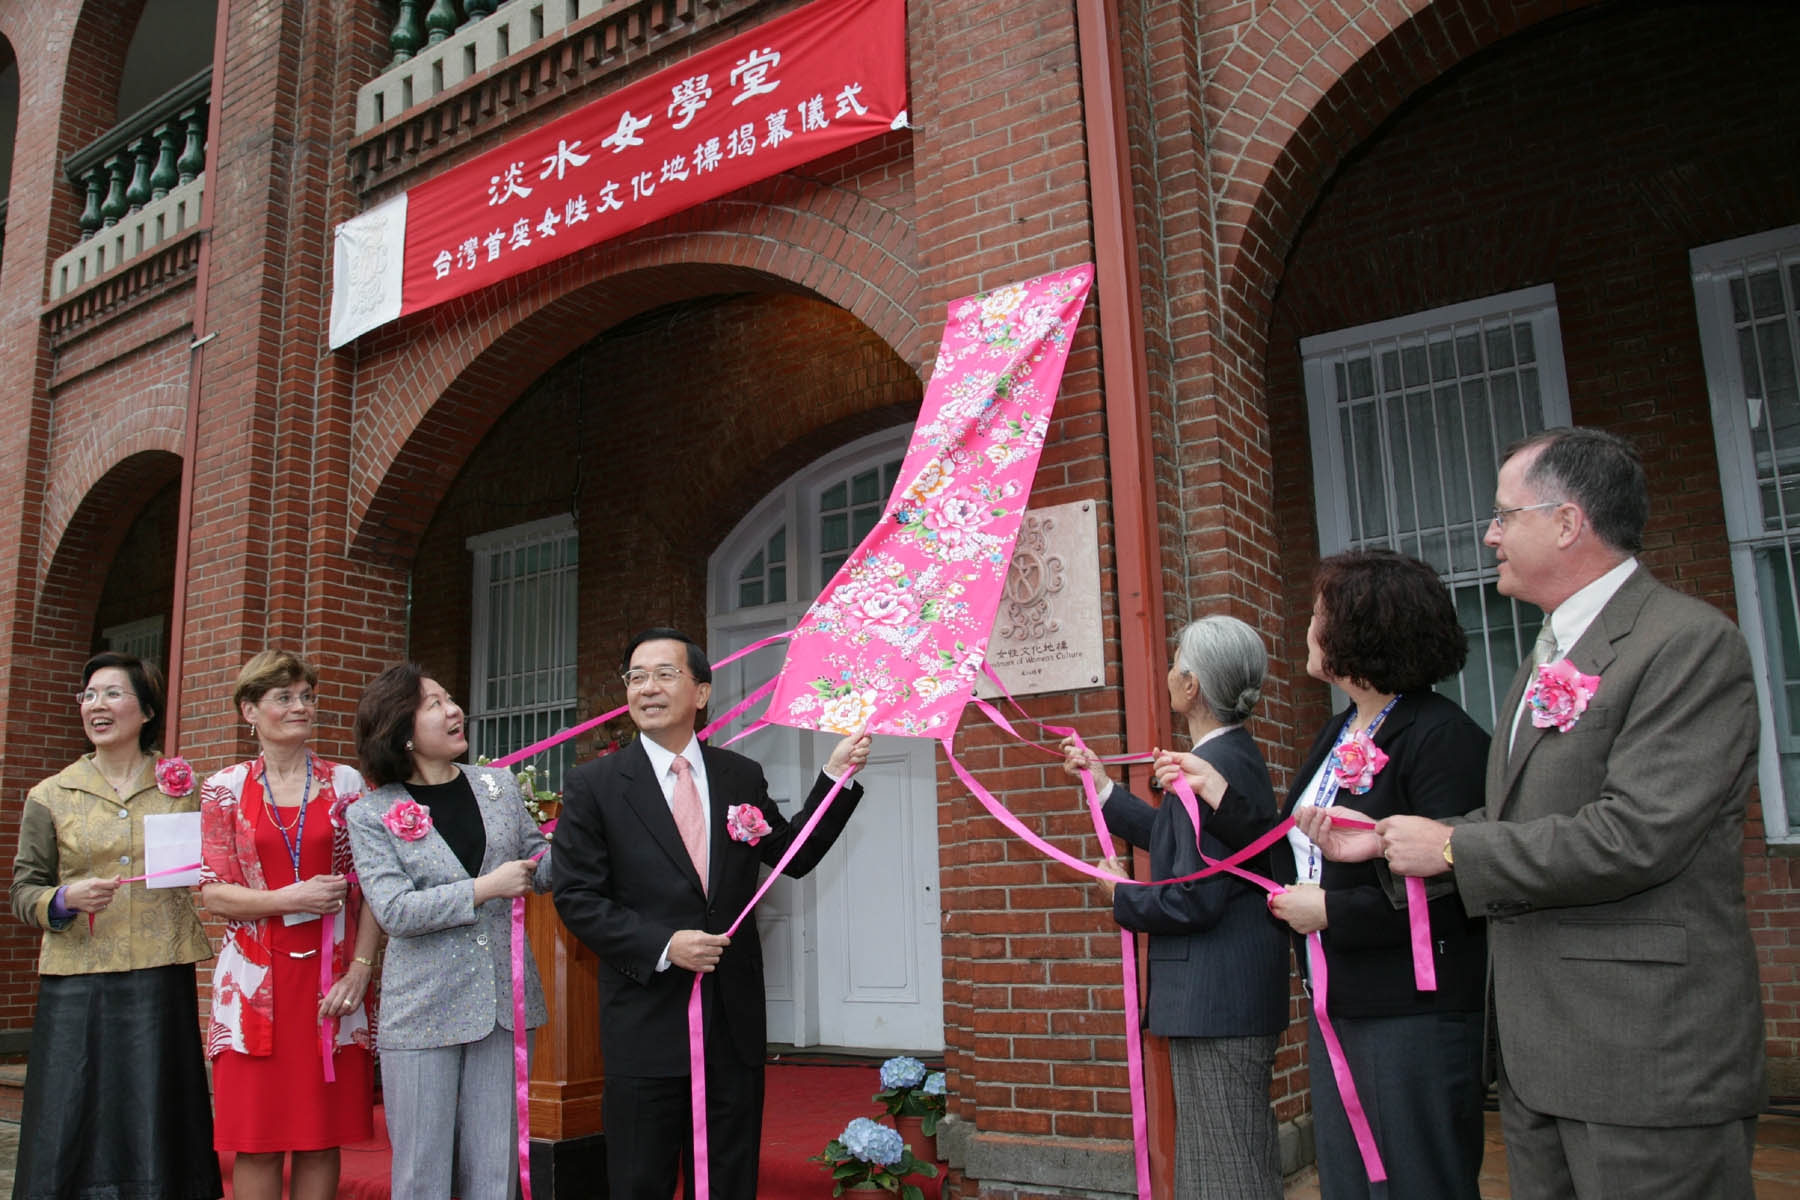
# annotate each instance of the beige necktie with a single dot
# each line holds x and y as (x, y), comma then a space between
(690, 817)
(1542, 651)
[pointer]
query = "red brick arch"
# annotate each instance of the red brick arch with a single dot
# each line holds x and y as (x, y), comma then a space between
(1300, 97)
(151, 422)
(437, 384)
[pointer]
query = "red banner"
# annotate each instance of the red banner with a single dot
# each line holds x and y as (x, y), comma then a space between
(816, 80)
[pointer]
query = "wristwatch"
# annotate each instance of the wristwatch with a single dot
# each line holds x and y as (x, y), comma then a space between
(1449, 858)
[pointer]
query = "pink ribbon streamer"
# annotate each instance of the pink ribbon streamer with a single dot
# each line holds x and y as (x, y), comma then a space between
(1365, 1140)
(327, 1023)
(521, 1050)
(696, 1015)
(142, 878)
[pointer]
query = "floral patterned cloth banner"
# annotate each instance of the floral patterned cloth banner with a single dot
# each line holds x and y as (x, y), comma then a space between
(894, 642)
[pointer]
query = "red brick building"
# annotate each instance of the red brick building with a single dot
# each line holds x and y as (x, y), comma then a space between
(1346, 250)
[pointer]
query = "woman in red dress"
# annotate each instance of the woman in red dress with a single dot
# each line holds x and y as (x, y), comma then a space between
(277, 867)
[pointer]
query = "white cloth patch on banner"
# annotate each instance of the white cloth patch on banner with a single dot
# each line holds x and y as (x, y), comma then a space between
(368, 267)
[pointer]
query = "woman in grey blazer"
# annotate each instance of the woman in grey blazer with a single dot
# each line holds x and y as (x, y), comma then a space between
(441, 851)
(1218, 960)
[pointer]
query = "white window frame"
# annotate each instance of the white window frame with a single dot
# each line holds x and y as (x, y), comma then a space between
(1331, 486)
(551, 714)
(1713, 267)
(143, 637)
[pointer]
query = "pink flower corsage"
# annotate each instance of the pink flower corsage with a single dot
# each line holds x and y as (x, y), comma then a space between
(1356, 760)
(745, 823)
(407, 820)
(1559, 695)
(174, 777)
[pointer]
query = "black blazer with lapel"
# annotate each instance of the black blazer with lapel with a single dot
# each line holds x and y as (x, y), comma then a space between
(1437, 762)
(624, 884)
(1218, 960)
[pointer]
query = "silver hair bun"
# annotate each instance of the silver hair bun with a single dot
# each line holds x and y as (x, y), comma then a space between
(1247, 699)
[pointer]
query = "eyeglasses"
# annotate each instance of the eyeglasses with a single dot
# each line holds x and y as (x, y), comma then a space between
(637, 677)
(111, 695)
(1500, 514)
(287, 700)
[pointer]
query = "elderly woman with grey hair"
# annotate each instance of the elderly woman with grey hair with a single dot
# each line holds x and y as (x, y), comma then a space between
(1218, 960)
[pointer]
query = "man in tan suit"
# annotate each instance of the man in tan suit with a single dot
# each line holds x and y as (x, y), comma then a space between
(1608, 856)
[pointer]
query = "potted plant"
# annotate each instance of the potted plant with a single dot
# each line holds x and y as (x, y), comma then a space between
(868, 1155)
(914, 1097)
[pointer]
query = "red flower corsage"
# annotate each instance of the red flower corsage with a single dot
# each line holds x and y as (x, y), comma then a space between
(407, 820)
(745, 823)
(1559, 695)
(174, 777)
(1355, 762)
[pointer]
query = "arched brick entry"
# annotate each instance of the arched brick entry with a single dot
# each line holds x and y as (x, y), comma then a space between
(1299, 102)
(439, 393)
(147, 423)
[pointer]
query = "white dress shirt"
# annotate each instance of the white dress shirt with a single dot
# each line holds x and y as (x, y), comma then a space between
(1570, 619)
(662, 763)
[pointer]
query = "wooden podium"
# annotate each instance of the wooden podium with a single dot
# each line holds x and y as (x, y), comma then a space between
(568, 1156)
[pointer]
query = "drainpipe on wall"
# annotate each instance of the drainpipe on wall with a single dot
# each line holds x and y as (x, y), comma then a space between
(190, 443)
(1137, 541)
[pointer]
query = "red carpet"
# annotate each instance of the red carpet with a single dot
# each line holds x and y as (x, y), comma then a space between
(806, 1107)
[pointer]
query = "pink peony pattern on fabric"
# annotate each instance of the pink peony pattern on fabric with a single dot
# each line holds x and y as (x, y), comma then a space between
(894, 642)
(174, 776)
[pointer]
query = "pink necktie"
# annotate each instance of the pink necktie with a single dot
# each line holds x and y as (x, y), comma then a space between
(689, 817)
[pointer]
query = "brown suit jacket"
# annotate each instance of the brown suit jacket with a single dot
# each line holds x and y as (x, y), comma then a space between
(1609, 862)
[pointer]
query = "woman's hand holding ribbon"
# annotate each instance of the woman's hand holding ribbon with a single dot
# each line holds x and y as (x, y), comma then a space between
(321, 894)
(1301, 906)
(1114, 867)
(90, 895)
(1414, 845)
(1078, 758)
(1206, 781)
(1335, 832)
(346, 993)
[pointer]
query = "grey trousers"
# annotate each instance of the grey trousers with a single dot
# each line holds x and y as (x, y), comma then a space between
(451, 1119)
(1226, 1143)
(1553, 1158)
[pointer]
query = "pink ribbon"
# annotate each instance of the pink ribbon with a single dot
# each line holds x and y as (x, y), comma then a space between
(696, 1017)
(1359, 1126)
(327, 1023)
(142, 878)
(521, 1054)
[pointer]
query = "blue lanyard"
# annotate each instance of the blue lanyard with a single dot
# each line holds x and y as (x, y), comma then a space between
(1328, 790)
(299, 838)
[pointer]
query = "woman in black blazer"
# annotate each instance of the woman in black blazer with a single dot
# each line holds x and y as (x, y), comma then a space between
(1218, 961)
(1383, 630)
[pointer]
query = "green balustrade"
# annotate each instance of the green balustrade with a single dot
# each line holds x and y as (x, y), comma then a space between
(408, 34)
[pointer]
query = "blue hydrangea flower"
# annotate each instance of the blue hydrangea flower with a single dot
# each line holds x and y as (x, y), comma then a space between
(934, 1084)
(872, 1142)
(902, 1072)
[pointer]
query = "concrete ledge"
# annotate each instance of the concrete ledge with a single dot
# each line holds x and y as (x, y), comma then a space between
(1000, 1160)
(1297, 1144)
(14, 1041)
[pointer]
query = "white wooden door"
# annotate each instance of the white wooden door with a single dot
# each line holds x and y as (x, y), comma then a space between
(852, 952)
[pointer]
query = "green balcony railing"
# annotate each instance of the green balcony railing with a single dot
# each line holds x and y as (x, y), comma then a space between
(143, 158)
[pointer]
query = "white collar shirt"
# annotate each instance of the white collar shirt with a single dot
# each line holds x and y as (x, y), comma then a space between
(1570, 619)
(661, 761)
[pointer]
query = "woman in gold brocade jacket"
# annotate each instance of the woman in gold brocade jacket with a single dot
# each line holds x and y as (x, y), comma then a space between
(115, 1088)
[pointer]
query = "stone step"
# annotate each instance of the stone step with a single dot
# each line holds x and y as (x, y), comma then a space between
(12, 1090)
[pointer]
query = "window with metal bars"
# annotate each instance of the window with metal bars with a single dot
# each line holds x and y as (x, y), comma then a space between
(1747, 299)
(1408, 420)
(522, 675)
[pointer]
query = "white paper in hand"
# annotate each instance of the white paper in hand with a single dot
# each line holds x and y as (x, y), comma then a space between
(172, 840)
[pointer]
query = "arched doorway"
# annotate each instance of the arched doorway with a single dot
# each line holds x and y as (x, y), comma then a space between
(852, 951)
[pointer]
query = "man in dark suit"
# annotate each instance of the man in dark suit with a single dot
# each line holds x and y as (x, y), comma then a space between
(640, 831)
(1608, 856)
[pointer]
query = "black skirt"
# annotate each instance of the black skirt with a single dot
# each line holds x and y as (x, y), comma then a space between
(116, 1100)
